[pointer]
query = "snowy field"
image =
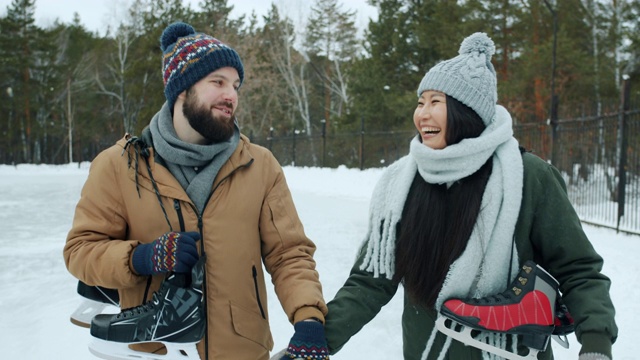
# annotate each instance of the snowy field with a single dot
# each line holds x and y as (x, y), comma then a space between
(37, 294)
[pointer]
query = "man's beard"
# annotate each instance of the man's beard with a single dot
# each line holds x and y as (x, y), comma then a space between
(215, 129)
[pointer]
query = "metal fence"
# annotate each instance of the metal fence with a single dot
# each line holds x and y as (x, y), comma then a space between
(354, 150)
(598, 156)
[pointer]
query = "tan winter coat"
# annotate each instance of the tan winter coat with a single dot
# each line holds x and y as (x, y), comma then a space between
(250, 219)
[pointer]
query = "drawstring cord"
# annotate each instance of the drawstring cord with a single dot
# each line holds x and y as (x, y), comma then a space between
(140, 149)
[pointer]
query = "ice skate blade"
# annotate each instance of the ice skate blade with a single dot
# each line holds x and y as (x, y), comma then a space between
(464, 336)
(562, 340)
(86, 311)
(278, 355)
(120, 351)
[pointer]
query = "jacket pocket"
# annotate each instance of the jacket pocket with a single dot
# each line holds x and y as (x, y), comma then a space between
(255, 283)
(250, 325)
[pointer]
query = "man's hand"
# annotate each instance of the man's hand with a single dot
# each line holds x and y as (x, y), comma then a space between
(173, 251)
(308, 342)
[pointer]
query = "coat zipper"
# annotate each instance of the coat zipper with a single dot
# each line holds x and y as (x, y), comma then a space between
(255, 282)
(204, 280)
(176, 205)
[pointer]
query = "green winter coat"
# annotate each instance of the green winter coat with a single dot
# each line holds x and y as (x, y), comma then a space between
(548, 232)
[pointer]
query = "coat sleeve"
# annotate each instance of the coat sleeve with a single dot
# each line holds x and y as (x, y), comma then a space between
(288, 253)
(94, 251)
(356, 304)
(562, 247)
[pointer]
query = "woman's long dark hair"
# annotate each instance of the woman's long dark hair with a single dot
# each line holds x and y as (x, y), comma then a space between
(437, 221)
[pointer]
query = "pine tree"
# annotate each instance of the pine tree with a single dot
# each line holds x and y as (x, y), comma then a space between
(384, 78)
(18, 40)
(76, 106)
(278, 39)
(330, 44)
(260, 96)
(632, 32)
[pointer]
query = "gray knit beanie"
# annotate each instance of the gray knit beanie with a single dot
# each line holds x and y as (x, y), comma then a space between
(469, 77)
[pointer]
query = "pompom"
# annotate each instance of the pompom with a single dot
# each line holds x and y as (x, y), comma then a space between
(478, 42)
(173, 32)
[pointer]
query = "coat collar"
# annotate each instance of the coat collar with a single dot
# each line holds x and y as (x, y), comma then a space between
(142, 159)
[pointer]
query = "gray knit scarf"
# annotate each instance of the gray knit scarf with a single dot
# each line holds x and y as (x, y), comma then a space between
(484, 265)
(182, 158)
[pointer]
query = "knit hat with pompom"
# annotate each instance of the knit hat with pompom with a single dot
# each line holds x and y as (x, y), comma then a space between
(469, 77)
(189, 56)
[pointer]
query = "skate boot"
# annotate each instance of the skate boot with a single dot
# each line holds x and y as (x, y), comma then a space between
(174, 317)
(526, 308)
(96, 299)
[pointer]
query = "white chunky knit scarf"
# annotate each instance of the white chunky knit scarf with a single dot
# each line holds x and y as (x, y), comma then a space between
(482, 268)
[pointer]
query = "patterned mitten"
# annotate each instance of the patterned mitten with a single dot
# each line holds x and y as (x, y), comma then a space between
(308, 342)
(173, 251)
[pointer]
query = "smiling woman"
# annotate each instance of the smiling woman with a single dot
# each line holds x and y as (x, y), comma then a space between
(430, 119)
(456, 218)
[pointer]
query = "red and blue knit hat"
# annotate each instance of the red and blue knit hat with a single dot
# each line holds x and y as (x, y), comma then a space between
(189, 56)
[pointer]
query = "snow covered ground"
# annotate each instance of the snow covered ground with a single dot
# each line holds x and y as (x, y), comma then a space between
(37, 294)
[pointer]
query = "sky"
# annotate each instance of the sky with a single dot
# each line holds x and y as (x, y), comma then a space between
(96, 15)
(37, 293)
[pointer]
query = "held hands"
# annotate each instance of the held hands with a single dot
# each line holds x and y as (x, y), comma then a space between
(308, 342)
(173, 251)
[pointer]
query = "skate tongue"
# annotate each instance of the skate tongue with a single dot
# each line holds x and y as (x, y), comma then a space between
(178, 280)
(193, 279)
(197, 272)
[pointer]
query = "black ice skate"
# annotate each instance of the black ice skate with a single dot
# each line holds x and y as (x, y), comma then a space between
(95, 300)
(175, 317)
(527, 308)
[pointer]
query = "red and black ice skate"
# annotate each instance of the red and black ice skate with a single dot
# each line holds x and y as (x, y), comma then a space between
(530, 307)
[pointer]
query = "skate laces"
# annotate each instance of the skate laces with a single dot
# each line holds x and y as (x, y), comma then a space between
(140, 309)
(490, 300)
(177, 280)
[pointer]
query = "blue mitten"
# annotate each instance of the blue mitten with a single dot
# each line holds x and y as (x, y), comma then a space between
(308, 342)
(173, 251)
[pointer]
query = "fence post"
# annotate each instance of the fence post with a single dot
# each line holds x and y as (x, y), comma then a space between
(361, 143)
(554, 130)
(270, 138)
(295, 132)
(324, 139)
(622, 146)
(553, 117)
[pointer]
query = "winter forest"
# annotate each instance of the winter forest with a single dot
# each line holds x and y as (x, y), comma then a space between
(67, 92)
